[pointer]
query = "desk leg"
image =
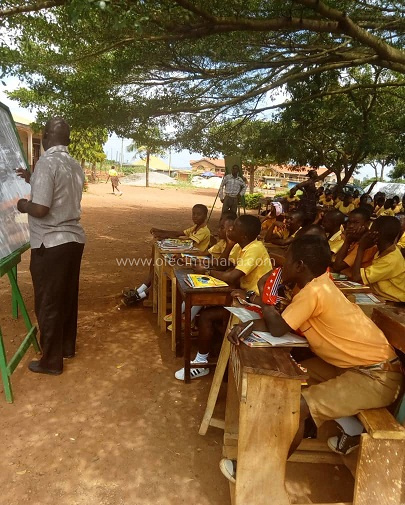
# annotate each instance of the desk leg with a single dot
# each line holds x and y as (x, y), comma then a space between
(162, 303)
(177, 322)
(187, 340)
(155, 283)
(174, 305)
(268, 421)
(223, 359)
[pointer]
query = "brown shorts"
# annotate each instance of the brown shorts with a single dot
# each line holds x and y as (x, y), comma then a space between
(335, 392)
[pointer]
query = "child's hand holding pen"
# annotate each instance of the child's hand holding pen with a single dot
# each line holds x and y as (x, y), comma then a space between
(239, 331)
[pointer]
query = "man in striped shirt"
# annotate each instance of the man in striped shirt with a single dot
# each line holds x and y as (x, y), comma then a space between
(231, 188)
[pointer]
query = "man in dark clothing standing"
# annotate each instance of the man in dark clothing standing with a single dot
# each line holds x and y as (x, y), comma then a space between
(57, 242)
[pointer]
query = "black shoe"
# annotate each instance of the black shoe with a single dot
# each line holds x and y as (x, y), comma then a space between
(343, 443)
(69, 356)
(35, 367)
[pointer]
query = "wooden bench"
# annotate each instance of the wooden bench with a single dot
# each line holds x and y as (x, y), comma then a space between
(378, 466)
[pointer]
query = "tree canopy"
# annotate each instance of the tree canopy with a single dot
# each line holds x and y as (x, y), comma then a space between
(117, 63)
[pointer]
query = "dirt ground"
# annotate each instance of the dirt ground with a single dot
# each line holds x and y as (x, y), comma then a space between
(116, 428)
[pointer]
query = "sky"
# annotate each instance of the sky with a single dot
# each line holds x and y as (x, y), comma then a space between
(116, 148)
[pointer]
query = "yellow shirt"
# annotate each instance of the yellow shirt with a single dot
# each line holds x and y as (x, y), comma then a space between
(401, 242)
(336, 241)
(217, 249)
(254, 261)
(356, 202)
(328, 204)
(385, 212)
(351, 257)
(201, 237)
(112, 172)
(344, 210)
(337, 330)
(293, 199)
(322, 199)
(398, 209)
(386, 275)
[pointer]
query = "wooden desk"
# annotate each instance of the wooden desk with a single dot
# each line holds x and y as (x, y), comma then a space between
(192, 297)
(391, 318)
(261, 420)
(163, 269)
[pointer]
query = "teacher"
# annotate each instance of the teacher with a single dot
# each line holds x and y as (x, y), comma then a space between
(57, 243)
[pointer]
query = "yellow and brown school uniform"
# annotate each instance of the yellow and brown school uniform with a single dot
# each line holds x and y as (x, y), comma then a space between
(385, 212)
(336, 241)
(201, 237)
(217, 249)
(344, 209)
(351, 256)
(355, 367)
(398, 209)
(254, 261)
(356, 202)
(328, 204)
(386, 275)
(267, 223)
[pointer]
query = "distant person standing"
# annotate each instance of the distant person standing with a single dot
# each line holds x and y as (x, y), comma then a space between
(113, 176)
(232, 187)
(57, 242)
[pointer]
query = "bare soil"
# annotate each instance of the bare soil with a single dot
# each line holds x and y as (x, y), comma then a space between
(116, 428)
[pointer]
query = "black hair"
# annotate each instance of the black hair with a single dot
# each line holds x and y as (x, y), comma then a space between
(363, 212)
(328, 192)
(251, 225)
(336, 215)
(388, 227)
(311, 229)
(389, 202)
(396, 198)
(229, 216)
(313, 251)
(301, 213)
(381, 199)
(201, 207)
(368, 207)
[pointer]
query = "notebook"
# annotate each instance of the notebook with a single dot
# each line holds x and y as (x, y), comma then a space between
(204, 281)
(266, 339)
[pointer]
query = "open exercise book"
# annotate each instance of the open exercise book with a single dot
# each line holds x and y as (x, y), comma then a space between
(175, 244)
(266, 339)
(204, 281)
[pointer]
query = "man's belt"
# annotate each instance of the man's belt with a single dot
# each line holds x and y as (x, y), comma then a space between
(231, 196)
(390, 365)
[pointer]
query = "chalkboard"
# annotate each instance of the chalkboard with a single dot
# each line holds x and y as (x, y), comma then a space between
(13, 225)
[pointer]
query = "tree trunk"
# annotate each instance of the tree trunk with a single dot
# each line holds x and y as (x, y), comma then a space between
(251, 180)
(147, 169)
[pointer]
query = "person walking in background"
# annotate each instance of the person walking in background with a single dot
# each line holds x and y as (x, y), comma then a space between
(232, 187)
(113, 176)
(57, 243)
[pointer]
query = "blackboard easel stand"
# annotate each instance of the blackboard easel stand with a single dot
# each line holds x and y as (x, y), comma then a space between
(8, 266)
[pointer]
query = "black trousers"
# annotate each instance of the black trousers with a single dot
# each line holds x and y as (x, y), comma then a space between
(55, 273)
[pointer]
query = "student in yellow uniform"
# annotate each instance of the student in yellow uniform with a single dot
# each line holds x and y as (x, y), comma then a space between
(199, 233)
(354, 367)
(345, 206)
(386, 274)
(387, 209)
(356, 198)
(401, 239)
(327, 202)
(357, 224)
(251, 261)
(397, 204)
(285, 232)
(332, 223)
(225, 224)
